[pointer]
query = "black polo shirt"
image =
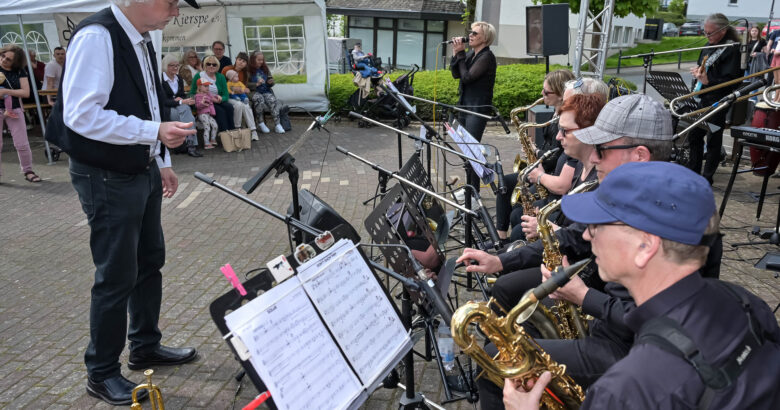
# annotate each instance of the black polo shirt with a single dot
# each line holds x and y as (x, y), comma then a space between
(651, 378)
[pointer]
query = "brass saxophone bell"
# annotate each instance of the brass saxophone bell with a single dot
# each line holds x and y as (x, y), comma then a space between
(526, 314)
(432, 224)
(519, 164)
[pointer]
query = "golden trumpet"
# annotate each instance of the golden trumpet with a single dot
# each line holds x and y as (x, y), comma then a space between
(155, 395)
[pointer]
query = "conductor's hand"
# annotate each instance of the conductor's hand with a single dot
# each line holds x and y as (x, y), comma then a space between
(170, 182)
(172, 133)
(486, 263)
(574, 291)
(458, 45)
(525, 397)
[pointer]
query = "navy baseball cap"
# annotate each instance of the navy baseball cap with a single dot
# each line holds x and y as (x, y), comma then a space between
(660, 198)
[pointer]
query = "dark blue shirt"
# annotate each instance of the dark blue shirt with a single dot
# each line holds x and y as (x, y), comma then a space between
(261, 88)
(651, 378)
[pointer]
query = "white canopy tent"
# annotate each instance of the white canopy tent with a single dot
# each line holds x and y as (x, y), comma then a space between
(310, 95)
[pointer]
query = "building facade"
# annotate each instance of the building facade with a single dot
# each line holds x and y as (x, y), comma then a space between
(755, 11)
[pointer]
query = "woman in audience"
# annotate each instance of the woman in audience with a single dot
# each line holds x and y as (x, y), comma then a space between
(263, 99)
(218, 89)
(178, 102)
(241, 111)
(190, 66)
(241, 67)
(17, 86)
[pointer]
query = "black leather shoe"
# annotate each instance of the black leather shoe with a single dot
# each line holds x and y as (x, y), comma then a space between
(116, 390)
(194, 153)
(162, 356)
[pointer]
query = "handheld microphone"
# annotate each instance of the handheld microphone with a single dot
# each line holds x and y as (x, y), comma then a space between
(463, 39)
(742, 91)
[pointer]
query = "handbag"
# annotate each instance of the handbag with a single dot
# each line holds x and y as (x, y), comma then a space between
(236, 140)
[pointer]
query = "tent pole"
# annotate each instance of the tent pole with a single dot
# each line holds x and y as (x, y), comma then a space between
(35, 89)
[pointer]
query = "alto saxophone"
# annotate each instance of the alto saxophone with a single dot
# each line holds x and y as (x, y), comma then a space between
(530, 156)
(522, 191)
(569, 318)
(519, 356)
(530, 153)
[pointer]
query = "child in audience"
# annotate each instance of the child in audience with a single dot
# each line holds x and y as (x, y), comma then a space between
(205, 106)
(7, 101)
(236, 88)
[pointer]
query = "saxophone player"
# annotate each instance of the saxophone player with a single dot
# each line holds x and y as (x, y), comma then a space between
(631, 128)
(656, 251)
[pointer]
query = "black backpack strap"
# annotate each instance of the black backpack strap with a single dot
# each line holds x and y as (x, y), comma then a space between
(668, 335)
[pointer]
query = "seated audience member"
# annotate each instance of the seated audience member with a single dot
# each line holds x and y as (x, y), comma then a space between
(190, 67)
(218, 89)
(53, 73)
(241, 66)
(179, 103)
(240, 102)
(204, 102)
(363, 61)
(263, 99)
(730, 337)
(218, 48)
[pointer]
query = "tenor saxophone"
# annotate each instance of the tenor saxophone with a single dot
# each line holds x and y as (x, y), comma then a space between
(568, 317)
(519, 356)
(530, 153)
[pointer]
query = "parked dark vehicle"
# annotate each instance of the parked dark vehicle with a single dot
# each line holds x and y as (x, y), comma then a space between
(692, 28)
(671, 30)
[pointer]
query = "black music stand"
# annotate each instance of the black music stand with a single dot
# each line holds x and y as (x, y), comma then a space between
(256, 286)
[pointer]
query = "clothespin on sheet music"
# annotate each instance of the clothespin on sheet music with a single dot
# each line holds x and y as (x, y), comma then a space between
(258, 401)
(227, 270)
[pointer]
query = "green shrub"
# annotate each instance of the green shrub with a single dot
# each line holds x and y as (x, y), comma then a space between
(666, 44)
(516, 85)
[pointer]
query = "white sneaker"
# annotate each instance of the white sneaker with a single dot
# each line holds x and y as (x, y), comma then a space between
(263, 128)
(254, 136)
(279, 129)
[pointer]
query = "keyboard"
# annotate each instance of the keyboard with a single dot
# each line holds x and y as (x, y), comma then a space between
(766, 136)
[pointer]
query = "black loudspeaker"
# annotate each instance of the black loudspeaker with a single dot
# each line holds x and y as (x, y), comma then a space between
(547, 29)
(316, 213)
(539, 114)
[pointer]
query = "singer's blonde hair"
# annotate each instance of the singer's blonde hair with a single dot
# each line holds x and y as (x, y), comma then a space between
(487, 30)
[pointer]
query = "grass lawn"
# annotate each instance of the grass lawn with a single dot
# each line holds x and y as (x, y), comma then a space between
(668, 43)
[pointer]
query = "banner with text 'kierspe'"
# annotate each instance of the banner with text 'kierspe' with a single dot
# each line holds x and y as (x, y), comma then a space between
(193, 27)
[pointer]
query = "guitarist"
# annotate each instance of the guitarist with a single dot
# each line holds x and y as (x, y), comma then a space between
(715, 66)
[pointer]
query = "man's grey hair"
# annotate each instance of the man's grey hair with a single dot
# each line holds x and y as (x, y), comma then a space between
(589, 86)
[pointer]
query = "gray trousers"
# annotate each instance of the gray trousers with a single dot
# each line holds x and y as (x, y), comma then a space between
(183, 113)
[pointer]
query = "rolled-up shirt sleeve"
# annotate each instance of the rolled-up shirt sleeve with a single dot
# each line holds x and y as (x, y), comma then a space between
(87, 83)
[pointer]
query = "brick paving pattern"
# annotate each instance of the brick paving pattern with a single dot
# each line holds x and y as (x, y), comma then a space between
(47, 270)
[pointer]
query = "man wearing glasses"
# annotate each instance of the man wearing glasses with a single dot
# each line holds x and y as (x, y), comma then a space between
(109, 118)
(653, 237)
(632, 128)
(715, 66)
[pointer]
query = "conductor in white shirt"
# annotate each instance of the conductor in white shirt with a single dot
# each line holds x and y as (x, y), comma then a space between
(108, 119)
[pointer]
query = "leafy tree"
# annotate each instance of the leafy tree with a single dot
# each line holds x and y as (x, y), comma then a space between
(677, 6)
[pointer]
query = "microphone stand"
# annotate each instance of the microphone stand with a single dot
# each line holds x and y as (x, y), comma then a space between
(411, 400)
(496, 117)
(483, 215)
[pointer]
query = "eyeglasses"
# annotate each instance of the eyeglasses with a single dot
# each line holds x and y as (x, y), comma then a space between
(212, 65)
(173, 65)
(546, 93)
(592, 227)
(601, 148)
(567, 130)
(474, 33)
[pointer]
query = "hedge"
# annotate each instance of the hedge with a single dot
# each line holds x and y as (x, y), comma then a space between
(516, 85)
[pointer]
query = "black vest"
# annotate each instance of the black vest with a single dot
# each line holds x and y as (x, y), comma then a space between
(128, 97)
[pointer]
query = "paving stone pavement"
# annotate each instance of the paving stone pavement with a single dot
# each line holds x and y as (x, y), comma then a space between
(47, 270)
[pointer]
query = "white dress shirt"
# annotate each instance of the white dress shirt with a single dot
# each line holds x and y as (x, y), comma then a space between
(87, 85)
(173, 82)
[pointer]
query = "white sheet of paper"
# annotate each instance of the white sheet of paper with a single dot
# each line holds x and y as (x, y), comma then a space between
(406, 104)
(292, 351)
(356, 310)
(469, 146)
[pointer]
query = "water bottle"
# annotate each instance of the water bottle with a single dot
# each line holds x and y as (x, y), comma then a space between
(446, 346)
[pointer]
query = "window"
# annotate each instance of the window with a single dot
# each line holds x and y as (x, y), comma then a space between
(384, 23)
(627, 35)
(406, 24)
(408, 49)
(361, 21)
(616, 31)
(732, 2)
(283, 43)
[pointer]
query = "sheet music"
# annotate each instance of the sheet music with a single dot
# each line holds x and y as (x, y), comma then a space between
(356, 310)
(405, 103)
(292, 351)
(470, 146)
